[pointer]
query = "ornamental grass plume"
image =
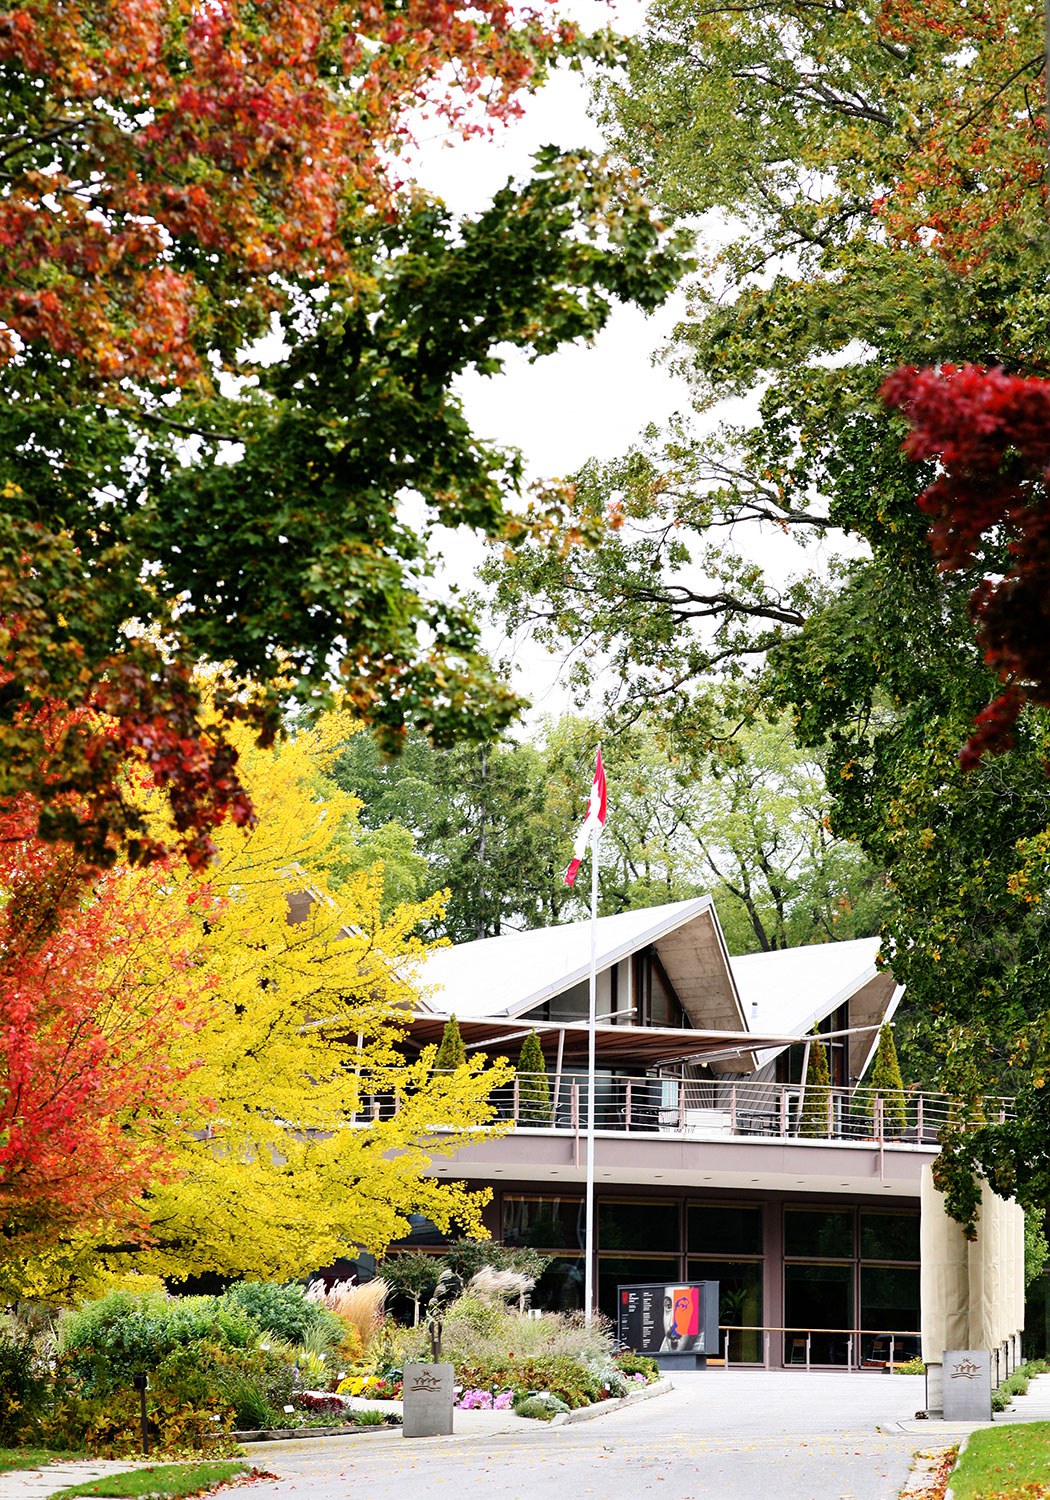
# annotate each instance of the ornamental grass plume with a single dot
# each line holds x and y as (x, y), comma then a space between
(359, 1304)
(500, 1286)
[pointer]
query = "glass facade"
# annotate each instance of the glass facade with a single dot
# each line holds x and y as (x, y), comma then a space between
(631, 1270)
(639, 1226)
(823, 1232)
(850, 1269)
(843, 1269)
(542, 1223)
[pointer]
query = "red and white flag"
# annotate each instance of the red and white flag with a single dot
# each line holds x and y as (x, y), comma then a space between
(595, 820)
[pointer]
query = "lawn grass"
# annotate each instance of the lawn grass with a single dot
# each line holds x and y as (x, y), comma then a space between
(164, 1481)
(1000, 1463)
(30, 1458)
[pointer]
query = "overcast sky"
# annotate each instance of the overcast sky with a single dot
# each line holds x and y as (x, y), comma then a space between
(585, 401)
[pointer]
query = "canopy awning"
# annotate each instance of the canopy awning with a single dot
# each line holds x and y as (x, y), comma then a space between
(615, 1046)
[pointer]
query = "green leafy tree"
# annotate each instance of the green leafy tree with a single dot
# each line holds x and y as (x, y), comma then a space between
(534, 1091)
(413, 1274)
(218, 503)
(451, 1052)
(467, 1257)
(814, 1118)
(746, 819)
(887, 208)
(888, 1085)
(483, 818)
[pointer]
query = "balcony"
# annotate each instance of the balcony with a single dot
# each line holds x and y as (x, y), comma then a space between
(720, 1110)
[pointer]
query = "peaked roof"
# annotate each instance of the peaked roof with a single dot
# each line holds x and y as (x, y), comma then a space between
(791, 990)
(513, 973)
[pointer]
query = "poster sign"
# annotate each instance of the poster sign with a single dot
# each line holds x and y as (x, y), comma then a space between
(664, 1318)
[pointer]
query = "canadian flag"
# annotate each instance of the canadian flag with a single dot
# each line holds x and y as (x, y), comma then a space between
(595, 820)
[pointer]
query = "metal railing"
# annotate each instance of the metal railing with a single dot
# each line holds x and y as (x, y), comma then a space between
(819, 1348)
(718, 1109)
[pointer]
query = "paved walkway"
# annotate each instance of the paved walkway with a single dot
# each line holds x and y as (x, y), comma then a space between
(38, 1484)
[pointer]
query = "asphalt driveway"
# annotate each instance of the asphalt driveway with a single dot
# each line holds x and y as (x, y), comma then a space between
(737, 1435)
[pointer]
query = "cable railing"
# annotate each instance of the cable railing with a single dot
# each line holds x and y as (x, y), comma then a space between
(750, 1344)
(718, 1109)
(714, 1109)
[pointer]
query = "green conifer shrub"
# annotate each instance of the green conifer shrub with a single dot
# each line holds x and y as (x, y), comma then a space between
(451, 1052)
(817, 1091)
(534, 1090)
(888, 1085)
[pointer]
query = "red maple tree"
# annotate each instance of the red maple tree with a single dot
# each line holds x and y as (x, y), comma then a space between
(96, 972)
(990, 433)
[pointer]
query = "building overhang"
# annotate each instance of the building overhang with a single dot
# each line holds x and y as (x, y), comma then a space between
(552, 1162)
(615, 1046)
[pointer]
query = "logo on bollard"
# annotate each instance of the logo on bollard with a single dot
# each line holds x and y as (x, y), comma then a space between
(966, 1369)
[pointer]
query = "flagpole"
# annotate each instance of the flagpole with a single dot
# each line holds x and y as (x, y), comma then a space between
(592, 1012)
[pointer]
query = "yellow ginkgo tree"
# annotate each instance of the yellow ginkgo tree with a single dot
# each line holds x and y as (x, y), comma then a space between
(306, 1132)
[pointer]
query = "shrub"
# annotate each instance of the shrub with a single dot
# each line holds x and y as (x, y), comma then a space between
(283, 1310)
(467, 1257)
(483, 1332)
(319, 1405)
(817, 1093)
(372, 1418)
(543, 1406)
(451, 1052)
(23, 1389)
(638, 1364)
(887, 1084)
(251, 1410)
(562, 1375)
(107, 1423)
(534, 1090)
(110, 1340)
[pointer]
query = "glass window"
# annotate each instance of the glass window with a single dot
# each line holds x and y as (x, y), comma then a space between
(739, 1302)
(818, 1231)
(889, 1236)
(817, 1297)
(889, 1303)
(724, 1229)
(560, 1288)
(638, 1226)
(631, 1270)
(423, 1231)
(544, 1223)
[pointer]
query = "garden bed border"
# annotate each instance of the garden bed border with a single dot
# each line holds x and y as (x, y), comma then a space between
(281, 1434)
(601, 1408)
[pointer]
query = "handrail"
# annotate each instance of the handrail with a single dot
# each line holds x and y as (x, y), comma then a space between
(722, 1108)
(852, 1336)
(719, 1107)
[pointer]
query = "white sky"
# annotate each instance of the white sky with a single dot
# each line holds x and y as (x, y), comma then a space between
(586, 401)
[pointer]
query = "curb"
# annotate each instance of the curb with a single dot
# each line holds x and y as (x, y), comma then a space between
(602, 1408)
(286, 1434)
(962, 1448)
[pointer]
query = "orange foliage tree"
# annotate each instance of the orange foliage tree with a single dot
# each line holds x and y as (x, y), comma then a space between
(96, 981)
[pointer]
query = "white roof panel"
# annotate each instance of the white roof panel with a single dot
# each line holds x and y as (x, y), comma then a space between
(505, 975)
(789, 991)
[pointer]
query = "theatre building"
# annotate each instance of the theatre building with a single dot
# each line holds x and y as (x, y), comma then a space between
(710, 1162)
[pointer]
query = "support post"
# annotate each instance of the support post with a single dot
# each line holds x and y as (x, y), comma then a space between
(592, 1006)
